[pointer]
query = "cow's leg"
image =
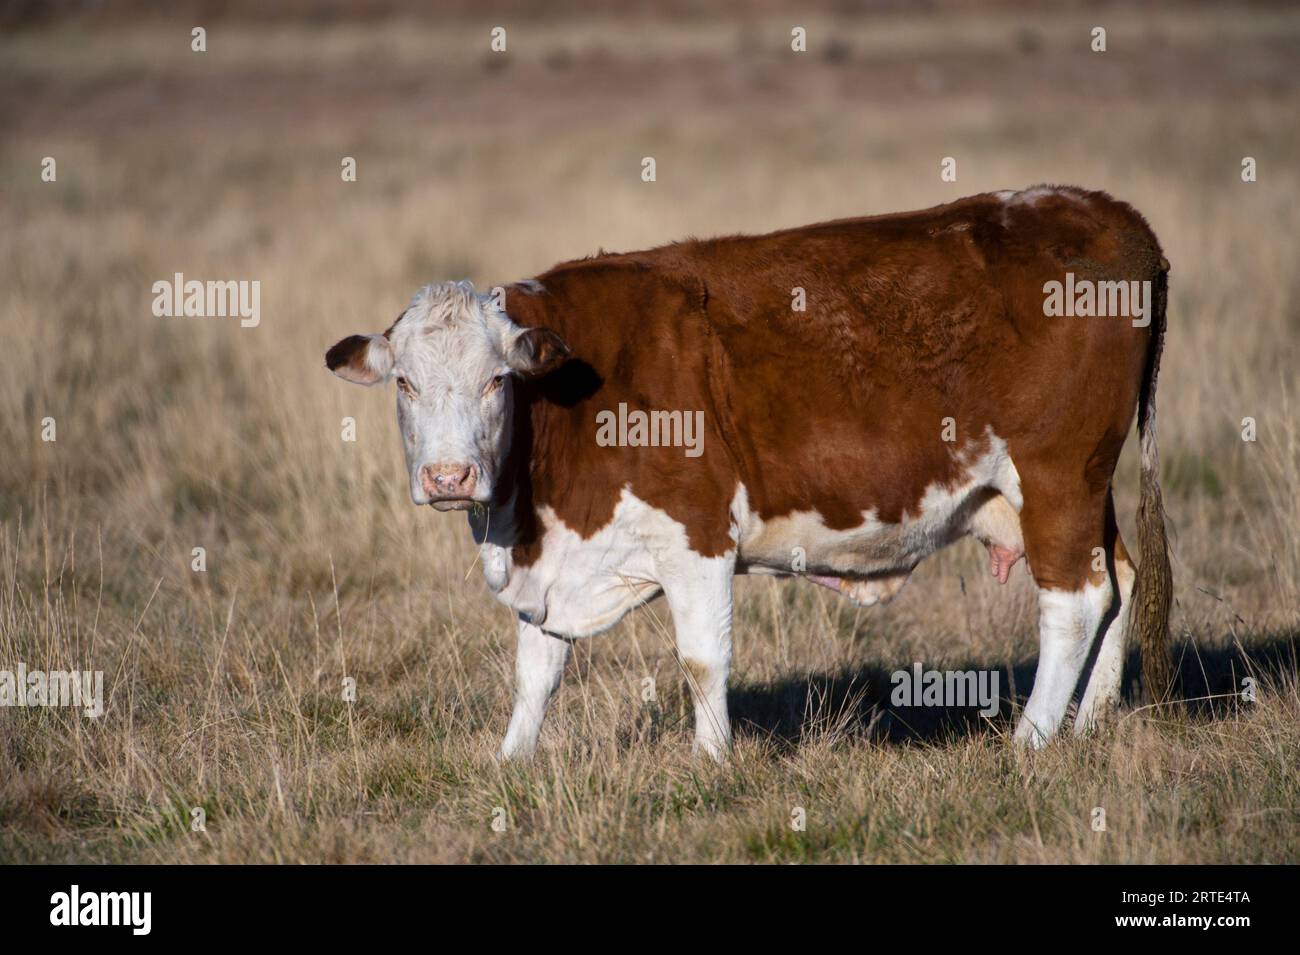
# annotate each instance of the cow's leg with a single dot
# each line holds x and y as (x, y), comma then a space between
(1103, 687)
(1063, 522)
(539, 664)
(698, 591)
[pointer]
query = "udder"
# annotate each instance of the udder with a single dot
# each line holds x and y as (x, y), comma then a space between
(996, 525)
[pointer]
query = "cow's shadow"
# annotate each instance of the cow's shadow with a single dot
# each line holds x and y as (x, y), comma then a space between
(856, 702)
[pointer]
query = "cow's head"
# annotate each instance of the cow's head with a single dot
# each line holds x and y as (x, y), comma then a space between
(453, 355)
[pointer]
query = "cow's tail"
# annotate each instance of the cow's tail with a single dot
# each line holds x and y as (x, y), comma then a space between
(1153, 592)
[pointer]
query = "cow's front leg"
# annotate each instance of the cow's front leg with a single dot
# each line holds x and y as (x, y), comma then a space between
(698, 590)
(539, 664)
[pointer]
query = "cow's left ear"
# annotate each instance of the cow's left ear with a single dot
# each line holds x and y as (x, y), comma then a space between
(534, 351)
(363, 359)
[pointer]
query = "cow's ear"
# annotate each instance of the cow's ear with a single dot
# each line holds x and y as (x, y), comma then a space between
(363, 359)
(535, 351)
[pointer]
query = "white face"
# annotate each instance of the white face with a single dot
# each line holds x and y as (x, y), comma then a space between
(453, 398)
(453, 357)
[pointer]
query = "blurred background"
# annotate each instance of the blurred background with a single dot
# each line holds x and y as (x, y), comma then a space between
(493, 166)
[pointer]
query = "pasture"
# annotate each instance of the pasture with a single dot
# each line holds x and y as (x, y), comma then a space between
(224, 687)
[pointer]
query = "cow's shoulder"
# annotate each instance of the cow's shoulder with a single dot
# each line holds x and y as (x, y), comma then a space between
(640, 344)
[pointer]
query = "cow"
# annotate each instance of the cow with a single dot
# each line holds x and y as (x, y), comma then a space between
(866, 392)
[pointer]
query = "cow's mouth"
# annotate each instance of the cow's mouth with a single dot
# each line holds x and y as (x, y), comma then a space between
(453, 503)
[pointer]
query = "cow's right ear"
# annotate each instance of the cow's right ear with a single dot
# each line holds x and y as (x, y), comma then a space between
(535, 351)
(363, 359)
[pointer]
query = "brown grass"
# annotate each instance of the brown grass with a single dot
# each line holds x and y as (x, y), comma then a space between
(224, 689)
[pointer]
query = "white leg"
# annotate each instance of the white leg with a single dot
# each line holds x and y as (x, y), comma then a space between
(1104, 684)
(1067, 624)
(698, 590)
(539, 664)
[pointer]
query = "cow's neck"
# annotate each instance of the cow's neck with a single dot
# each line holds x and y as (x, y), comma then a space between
(542, 456)
(505, 529)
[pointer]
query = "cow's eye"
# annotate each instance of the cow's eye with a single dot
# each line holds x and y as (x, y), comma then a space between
(496, 382)
(405, 386)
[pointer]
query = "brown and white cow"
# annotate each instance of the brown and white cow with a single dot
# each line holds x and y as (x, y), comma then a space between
(936, 382)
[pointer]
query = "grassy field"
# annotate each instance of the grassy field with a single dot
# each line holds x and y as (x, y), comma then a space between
(224, 688)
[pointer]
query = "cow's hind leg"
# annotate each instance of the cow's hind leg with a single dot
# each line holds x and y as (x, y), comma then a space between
(539, 665)
(1104, 682)
(1063, 522)
(698, 591)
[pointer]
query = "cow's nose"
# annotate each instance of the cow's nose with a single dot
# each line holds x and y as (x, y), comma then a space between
(448, 480)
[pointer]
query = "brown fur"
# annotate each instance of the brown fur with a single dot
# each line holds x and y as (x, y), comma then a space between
(910, 318)
(699, 676)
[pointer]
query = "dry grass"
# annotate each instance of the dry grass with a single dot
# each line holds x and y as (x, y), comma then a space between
(224, 688)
